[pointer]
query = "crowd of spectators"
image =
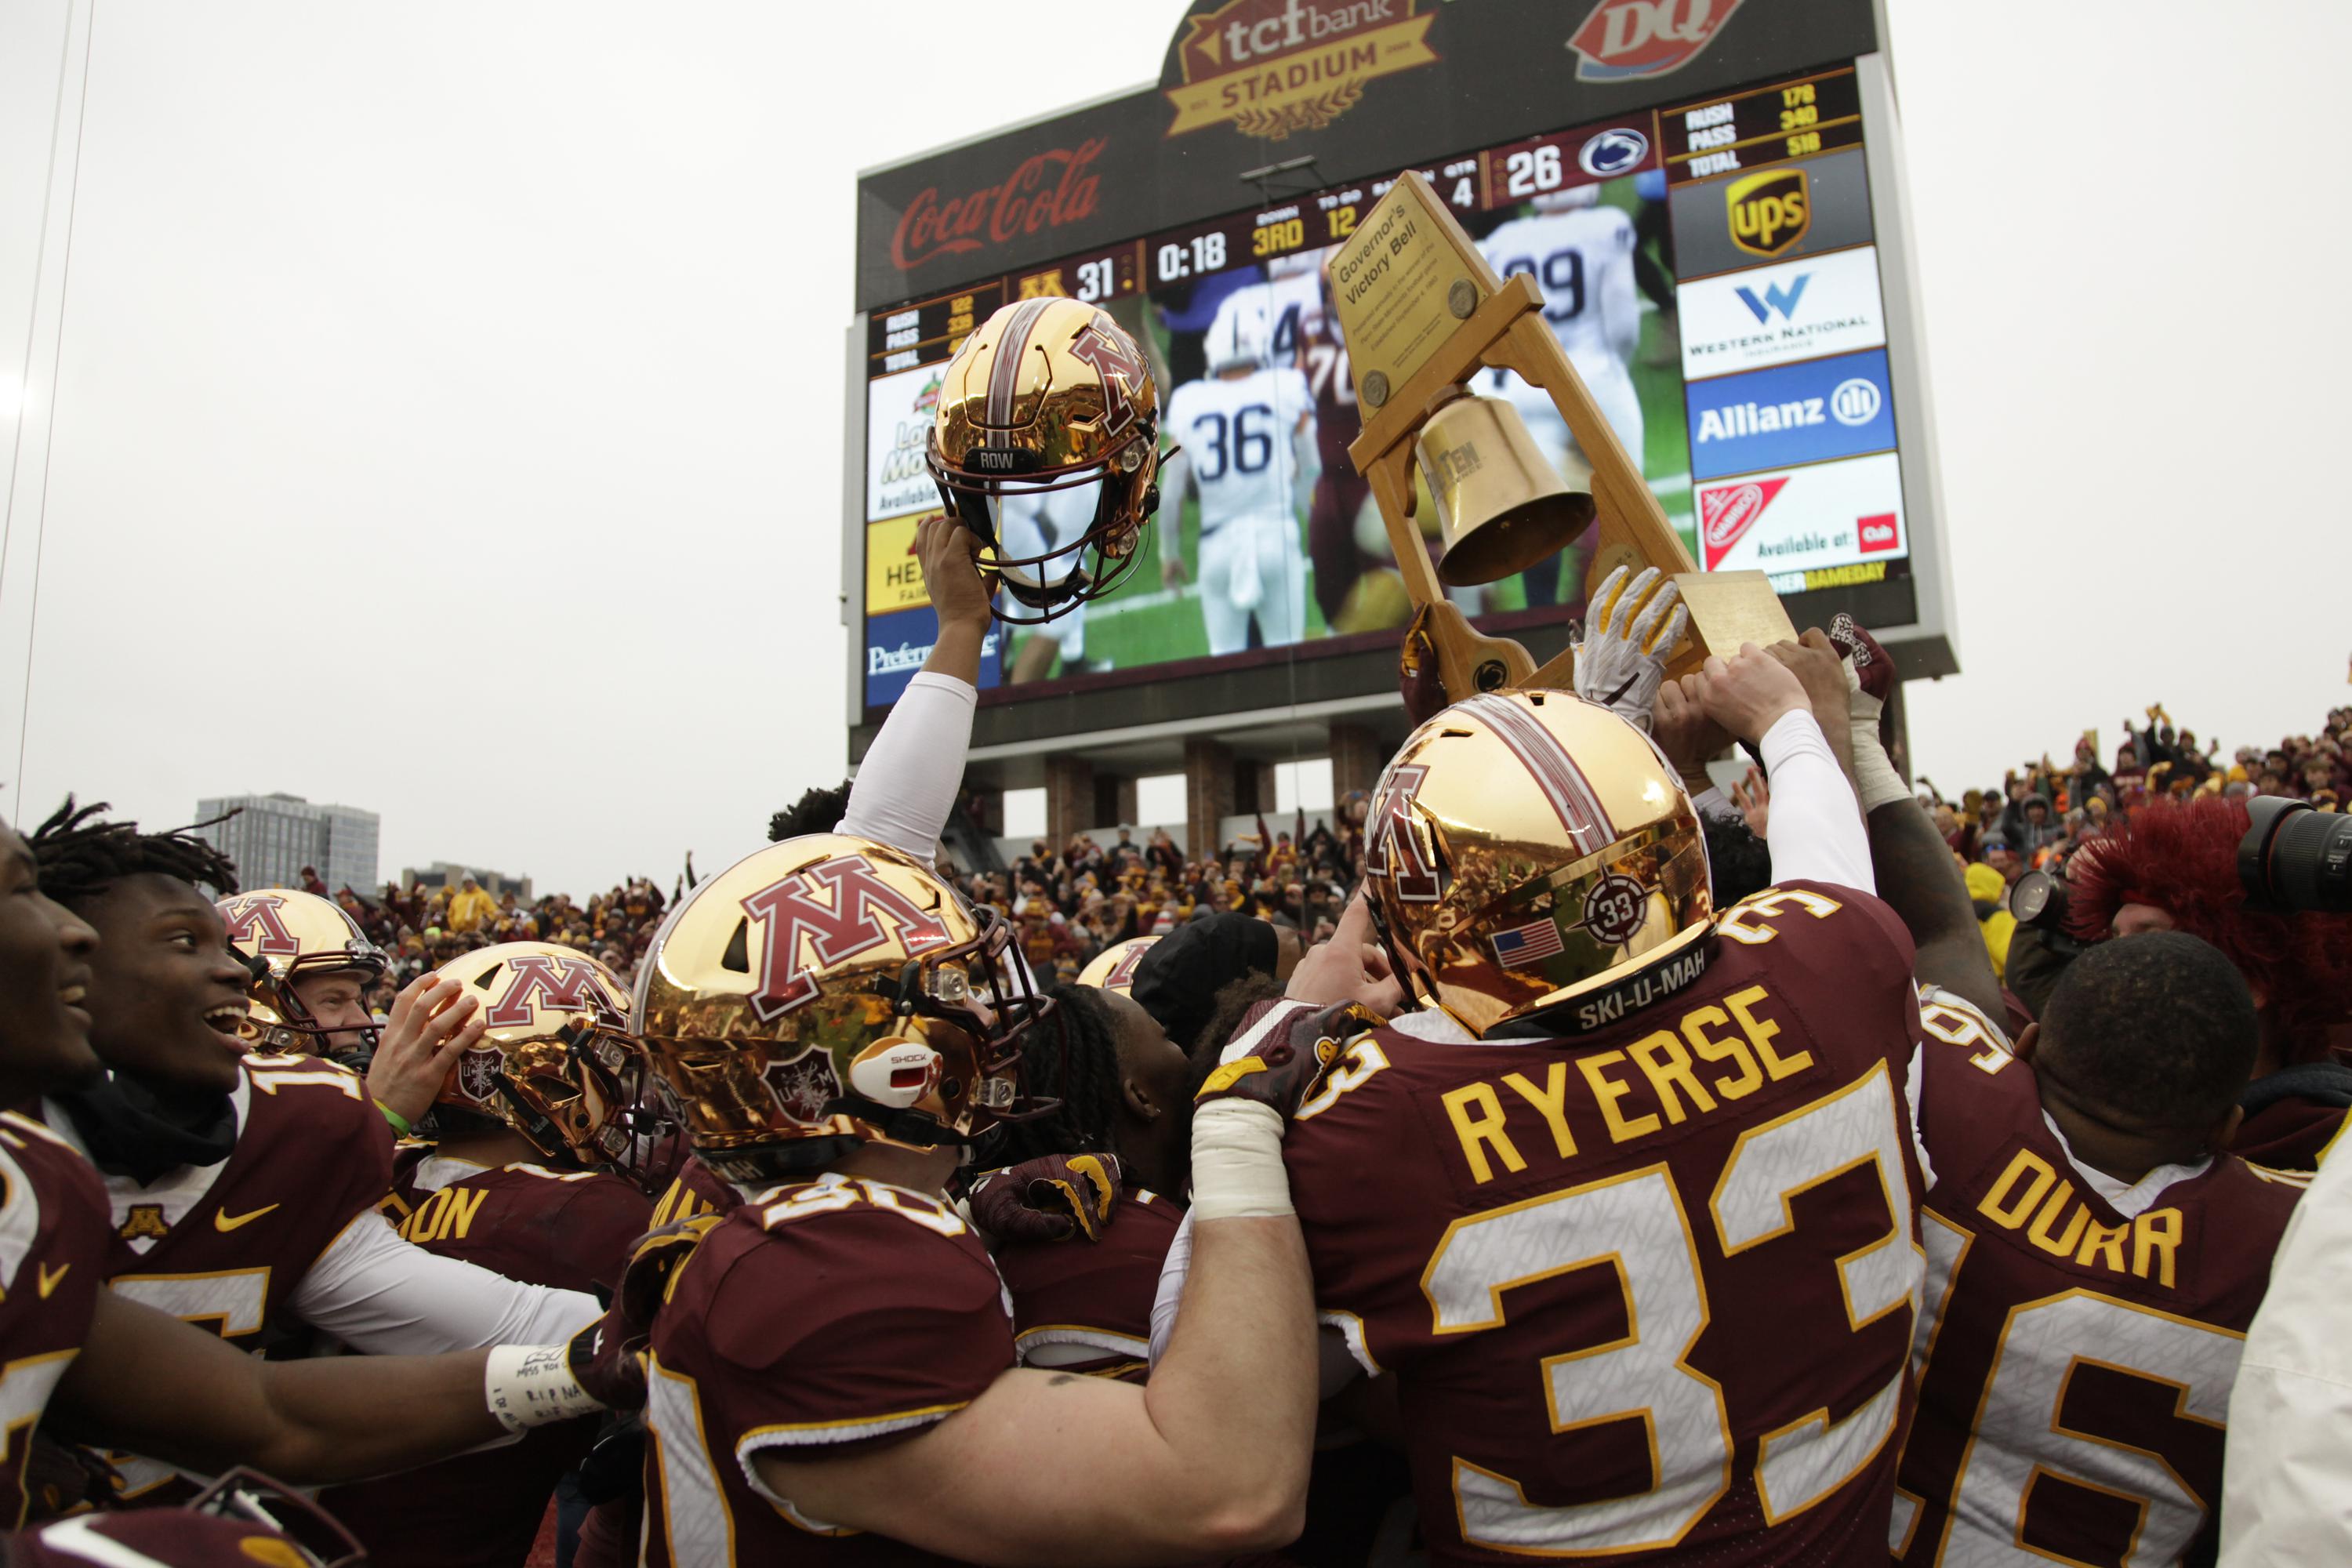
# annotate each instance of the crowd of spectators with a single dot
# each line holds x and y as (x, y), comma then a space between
(422, 928)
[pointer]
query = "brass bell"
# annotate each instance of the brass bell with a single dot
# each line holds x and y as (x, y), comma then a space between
(1501, 505)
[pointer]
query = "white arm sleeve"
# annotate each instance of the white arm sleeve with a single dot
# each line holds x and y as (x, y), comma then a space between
(2286, 1479)
(1173, 1270)
(388, 1297)
(908, 785)
(1814, 830)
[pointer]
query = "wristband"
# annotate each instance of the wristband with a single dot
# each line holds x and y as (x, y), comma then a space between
(530, 1385)
(1875, 782)
(400, 1124)
(1237, 1161)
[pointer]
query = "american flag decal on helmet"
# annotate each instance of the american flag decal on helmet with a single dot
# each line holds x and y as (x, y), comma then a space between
(1564, 785)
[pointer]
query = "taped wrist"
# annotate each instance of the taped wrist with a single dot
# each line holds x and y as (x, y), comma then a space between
(530, 1385)
(1875, 780)
(1237, 1161)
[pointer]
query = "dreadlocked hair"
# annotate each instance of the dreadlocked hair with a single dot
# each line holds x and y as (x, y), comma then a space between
(80, 857)
(2183, 859)
(818, 810)
(1080, 1068)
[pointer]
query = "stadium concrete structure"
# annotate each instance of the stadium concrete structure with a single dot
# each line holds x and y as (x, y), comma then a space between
(1768, 357)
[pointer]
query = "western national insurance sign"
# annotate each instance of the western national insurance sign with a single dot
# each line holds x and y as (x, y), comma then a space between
(1363, 87)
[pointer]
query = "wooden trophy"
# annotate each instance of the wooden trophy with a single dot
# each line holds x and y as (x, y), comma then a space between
(1421, 312)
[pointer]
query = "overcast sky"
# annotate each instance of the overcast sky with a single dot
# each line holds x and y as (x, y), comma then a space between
(448, 417)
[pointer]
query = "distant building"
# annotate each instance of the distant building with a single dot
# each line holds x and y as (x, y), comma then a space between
(273, 836)
(448, 874)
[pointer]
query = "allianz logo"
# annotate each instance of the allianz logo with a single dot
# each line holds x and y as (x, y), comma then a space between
(1855, 400)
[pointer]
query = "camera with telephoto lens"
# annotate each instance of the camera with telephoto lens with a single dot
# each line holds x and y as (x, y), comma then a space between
(2294, 857)
(2039, 900)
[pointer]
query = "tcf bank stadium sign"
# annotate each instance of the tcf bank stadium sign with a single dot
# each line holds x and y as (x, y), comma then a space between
(1269, 67)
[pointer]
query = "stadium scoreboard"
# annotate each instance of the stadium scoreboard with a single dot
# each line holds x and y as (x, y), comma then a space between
(1719, 245)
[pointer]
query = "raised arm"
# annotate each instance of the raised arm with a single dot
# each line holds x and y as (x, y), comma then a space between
(907, 784)
(1816, 833)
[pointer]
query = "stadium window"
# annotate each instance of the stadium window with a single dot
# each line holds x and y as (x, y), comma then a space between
(1024, 813)
(1303, 785)
(1159, 800)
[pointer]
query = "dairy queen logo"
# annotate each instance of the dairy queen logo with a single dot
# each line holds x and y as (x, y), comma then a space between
(1623, 39)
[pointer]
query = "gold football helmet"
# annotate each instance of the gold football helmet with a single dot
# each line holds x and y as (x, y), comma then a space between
(827, 992)
(1047, 395)
(285, 935)
(557, 1062)
(1113, 969)
(1526, 850)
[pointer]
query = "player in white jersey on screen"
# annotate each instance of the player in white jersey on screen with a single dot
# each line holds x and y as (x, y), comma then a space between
(1580, 253)
(1248, 435)
(1031, 525)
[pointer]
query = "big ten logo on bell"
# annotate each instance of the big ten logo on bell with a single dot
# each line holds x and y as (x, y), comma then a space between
(1769, 210)
(898, 410)
(1621, 40)
(1805, 413)
(1801, 520)
(897, 645)
(1776, 315)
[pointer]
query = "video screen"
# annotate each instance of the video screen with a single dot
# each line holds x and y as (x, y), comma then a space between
(1708, 270)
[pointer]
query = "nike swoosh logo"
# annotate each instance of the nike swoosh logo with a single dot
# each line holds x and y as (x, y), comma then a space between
(223, 1220)
(48, 1282)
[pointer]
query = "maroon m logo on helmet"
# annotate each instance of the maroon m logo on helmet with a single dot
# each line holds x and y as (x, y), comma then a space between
(564, 984)
(850, 922)
(1123, 971)
(1392, 847)
(1114, 357)
(255, 924)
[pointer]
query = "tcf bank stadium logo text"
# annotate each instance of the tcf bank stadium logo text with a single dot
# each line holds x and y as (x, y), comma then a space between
(1272, 66)
(1623, 39)
(1047, 191)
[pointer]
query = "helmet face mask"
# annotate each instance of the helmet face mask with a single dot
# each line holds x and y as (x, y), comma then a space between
(827, 992)
(286, 937)
(1531, 853)
(557, 1064)
(1044, 396)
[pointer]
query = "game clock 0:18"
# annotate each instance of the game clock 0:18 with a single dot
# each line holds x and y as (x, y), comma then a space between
(1205, 253)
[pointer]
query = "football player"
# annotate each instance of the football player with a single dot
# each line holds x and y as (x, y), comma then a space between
(1082, 1221)
(1034, 523)
(1580, 251)
(839, 1029)
(105, 1368)
(1546, 1200)
(2095, 1261)
(531, 1133)
(243, 1188)
(1248, 430)
(312, 969)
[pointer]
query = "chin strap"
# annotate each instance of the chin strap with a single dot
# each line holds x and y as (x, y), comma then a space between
(131, 1131)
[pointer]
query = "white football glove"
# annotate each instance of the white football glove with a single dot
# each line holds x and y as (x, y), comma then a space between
(1624, 659)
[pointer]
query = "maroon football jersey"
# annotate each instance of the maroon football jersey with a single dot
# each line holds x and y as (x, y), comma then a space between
(696, 1190)
(1086, 1306)
(2075, 1361)
(1651, 1288)
(226, 1246)
(53, 1257)
(569, 1230)
(835, 1311)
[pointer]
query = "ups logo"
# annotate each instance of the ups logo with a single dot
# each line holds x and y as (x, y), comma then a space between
(1769, 211)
